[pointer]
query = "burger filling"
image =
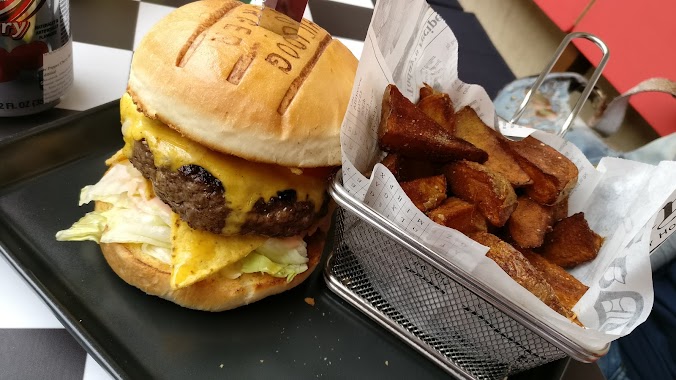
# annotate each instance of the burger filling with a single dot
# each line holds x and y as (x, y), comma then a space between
(198, 211)
(201, 200)
(138, 216)
(216, 192)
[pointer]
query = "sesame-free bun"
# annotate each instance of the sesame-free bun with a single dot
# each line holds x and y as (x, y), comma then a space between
(208, 71)
(215, 293)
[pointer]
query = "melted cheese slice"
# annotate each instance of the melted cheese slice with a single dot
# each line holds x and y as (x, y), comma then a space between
(196, 255)
(245, 182)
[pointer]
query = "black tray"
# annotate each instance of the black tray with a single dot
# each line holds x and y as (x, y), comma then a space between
(133, 335)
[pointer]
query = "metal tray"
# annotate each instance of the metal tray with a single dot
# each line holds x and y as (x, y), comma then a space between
(133, 335)
(433, 305)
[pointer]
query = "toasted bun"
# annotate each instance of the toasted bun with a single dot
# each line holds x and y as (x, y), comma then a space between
(215, 293)
(209, 72)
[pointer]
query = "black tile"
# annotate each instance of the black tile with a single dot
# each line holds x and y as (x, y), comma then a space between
(108, 23)
(341, 20)
(478, 60)
(40, 354)
(446, 3)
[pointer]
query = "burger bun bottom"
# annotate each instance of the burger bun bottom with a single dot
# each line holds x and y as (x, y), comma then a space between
(216, 293)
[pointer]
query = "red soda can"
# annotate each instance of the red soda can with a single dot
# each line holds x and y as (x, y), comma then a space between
(36, 55)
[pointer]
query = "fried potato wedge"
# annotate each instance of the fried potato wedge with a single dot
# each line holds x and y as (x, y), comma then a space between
(406, 130)
(425, 91)
(407, 169)
(529, 222)
(438, 106)
(459, 215)
(490, 191)
(393, 163)
(520, 269)
(426, 193)
(469, 127)
(560, 210)
(567, 288)
(411, 169)
(571, 242)
(553, 174)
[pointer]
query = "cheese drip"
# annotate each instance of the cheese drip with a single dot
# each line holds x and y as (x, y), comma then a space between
(245, 182)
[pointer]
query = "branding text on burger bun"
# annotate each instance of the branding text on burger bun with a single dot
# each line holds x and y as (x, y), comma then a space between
(287, 51)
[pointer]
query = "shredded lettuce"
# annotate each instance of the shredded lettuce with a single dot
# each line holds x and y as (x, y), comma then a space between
(124, 187)
(138, 216)
(278, 258)
(135, 216)
(255, 262)
(134, 226)
(285, 251)
(89, 227)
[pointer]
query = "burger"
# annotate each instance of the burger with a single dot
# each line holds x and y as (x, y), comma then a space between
(218, 197)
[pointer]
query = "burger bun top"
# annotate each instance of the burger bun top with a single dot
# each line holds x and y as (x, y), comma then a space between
(208, 71)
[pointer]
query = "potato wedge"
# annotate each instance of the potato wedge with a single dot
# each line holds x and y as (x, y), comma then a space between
(571, 242)
(406, 130)
(393, 163)
(438, 106)
(567, 288)
(560, 210)
(553, 174)
(425, 91)
(490, 191)
(469, 127)
(411, 169)
(426, 193)
(517, 267)
(407, 169)
(529, 222)
(459, 215)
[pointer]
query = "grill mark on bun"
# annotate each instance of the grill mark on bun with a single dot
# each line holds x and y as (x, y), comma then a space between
(198, 35)
(242, 65)
(298, 82)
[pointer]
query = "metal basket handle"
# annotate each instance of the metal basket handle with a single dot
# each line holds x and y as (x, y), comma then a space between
(585, 93)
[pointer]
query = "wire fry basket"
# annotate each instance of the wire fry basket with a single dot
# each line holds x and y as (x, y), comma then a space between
(430, 303)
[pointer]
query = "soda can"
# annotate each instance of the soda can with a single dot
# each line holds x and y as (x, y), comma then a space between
(36, 55)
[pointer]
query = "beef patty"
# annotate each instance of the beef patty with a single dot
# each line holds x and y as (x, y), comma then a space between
(200, 200)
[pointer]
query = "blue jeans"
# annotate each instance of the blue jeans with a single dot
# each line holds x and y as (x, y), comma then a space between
(611, 364)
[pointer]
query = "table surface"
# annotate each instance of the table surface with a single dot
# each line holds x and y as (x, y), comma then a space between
(33, 343)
